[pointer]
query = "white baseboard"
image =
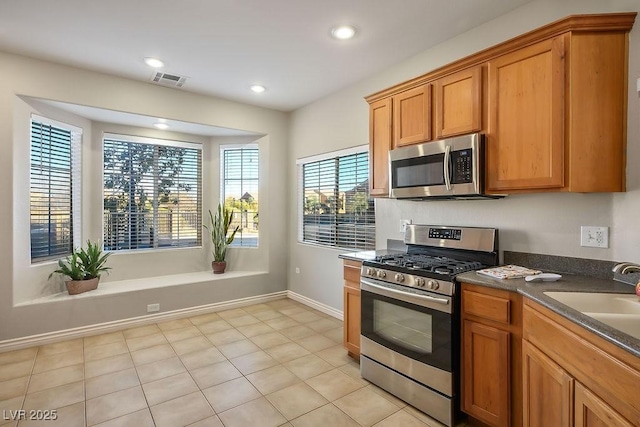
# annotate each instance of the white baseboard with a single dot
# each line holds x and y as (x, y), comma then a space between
(317, 305)
(83, 331)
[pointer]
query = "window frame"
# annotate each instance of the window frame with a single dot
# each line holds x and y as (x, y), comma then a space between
(248, 146)
(75, 183)
(157, 142)
(334, 155)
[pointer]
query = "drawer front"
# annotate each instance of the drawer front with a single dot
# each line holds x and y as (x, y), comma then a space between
(487, 307)
(352, 272)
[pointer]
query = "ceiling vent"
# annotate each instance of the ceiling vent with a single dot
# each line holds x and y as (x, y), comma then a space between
(166, 79)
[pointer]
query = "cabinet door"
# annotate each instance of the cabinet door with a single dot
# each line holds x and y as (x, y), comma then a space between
(548, 390)
(591, 411)
(352, 320)
(485, 373)
(379, 146)
(458, 103)
(412, 116)
(525, 148)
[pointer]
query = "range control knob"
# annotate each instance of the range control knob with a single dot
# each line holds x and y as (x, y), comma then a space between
(399, 277)
(433, 284)
(370, 271)
(420, 282)
(382, 274)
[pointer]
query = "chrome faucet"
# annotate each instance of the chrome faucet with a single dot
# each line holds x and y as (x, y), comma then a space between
(626, 267)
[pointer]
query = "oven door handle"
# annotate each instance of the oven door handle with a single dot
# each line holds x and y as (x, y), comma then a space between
(423, 300)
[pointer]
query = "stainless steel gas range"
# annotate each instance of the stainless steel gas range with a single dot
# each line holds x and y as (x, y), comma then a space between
(410, 339)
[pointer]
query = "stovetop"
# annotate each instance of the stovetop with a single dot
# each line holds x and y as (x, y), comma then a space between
(435, 255)
(438, 267)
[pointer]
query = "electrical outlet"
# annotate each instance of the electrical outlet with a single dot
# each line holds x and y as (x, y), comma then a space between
(297, 270)
(403, 224)
(595, 237)
(153, 307)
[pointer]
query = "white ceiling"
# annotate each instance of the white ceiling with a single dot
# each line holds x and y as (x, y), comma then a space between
(224, 46)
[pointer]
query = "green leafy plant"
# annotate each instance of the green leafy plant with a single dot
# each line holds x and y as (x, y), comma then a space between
(219, 229)
(84, 264)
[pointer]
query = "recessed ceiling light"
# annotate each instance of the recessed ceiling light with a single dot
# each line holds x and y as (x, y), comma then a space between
(343, 32)
(258, 88)
(154, 62)
(162, 126)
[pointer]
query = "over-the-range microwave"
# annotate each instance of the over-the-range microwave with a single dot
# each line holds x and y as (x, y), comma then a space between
(445, 169)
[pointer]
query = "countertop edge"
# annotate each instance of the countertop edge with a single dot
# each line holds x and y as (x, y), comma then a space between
(569, 283)
(368, 255)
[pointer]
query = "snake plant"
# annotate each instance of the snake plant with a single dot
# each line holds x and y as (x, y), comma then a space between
(219, 230)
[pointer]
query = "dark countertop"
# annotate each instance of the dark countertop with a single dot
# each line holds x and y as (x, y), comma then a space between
(368, 255)
(568, 283)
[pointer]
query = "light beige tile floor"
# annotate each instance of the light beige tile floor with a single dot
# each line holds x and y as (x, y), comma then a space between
(272, 364)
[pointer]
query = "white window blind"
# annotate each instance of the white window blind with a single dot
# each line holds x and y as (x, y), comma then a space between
(240, 179)
(336, 209)
(54, 188)
(152, 193)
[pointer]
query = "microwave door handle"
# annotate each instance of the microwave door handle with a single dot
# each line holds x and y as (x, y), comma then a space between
(447, 178)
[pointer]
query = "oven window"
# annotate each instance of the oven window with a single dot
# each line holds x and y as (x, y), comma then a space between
(402, 326)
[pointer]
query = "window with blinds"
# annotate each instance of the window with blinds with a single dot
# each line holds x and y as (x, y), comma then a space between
(336, 209)
(239, 191)
(54, 184)
(152, 193)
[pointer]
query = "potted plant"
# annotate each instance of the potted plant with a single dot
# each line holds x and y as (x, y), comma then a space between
(83, 267)
(220, 237)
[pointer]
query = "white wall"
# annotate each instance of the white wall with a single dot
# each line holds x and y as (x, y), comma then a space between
(537, 223)
(19, 281)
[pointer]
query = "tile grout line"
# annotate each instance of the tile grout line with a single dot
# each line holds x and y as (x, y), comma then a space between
(292, 309)
(135, 367)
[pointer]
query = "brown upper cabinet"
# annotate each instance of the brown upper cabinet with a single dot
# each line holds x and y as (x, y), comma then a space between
(552, 103)
(457, 108)
(557, 115)
(412, 116)
(379, 146)
(526, 117)
(459, 103)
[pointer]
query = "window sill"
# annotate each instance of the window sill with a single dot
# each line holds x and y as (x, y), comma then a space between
(146, 283)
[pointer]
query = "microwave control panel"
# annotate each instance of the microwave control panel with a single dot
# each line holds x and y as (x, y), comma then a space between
(462, 166)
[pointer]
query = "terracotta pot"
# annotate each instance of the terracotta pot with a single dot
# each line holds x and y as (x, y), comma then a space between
(79, 286)
(218, 266)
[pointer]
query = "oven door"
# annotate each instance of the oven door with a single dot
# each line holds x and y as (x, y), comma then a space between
(418, 324)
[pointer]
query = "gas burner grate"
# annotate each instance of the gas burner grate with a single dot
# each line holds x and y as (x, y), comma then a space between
(434, 264)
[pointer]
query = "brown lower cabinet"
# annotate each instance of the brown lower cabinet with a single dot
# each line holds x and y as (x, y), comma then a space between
(548, 390)
(572, 377)
(351, 309)
(491, 355)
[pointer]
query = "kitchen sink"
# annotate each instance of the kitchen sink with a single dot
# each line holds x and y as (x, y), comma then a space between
(620, 311)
